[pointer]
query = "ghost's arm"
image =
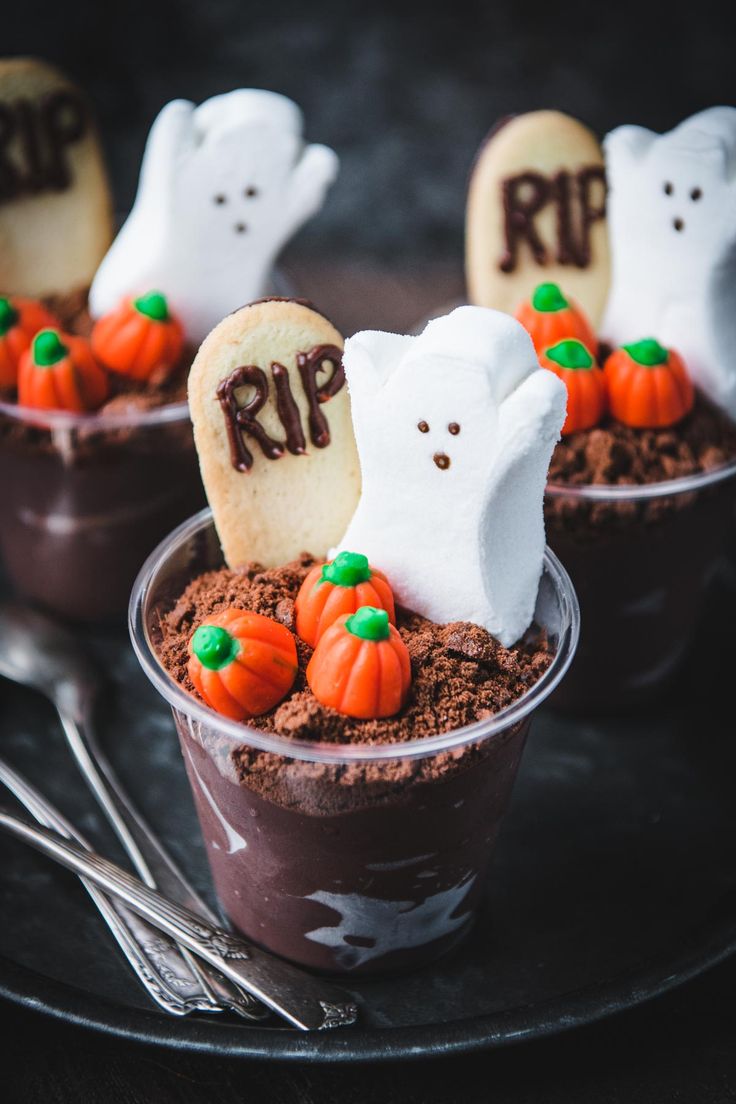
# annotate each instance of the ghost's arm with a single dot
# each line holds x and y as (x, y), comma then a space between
(625, 145)
(370, 358)
(130, 263)
(530, 420)
(312, 175)
(512, 542)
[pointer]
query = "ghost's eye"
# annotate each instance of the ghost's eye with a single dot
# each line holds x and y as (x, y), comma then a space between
(668, 188)
(423, 427)
(696, 194)
(250, 192)
(453, 428)
(220, 199)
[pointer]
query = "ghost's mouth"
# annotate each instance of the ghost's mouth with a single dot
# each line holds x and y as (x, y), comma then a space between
(442, 460)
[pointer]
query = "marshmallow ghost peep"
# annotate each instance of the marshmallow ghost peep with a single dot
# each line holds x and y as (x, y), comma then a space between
(223, 186)
(455, 429)
(672, 223)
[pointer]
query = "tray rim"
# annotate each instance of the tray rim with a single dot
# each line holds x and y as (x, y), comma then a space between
(701, 948)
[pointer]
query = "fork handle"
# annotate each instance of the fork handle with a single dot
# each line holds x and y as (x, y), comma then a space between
(153, 956)
(154, 866)
(306, 1002)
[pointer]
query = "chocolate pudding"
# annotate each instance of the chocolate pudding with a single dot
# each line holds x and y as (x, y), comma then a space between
(640, 519)
(87, 497)
(353, 865)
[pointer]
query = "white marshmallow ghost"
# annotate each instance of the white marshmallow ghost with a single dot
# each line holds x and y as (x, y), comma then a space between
(223, 186)
(672, 226)
(455, 429)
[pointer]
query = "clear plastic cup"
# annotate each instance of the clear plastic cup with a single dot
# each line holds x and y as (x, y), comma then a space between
(641, 575)
(344, 857)
(86, 497)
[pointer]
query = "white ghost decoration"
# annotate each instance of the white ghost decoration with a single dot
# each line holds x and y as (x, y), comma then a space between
(455, 429)
(223, 186)
(672, 227)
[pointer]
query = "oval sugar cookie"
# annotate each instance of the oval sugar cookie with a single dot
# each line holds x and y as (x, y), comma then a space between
(55, 204)
(273, 431)
(536, 213)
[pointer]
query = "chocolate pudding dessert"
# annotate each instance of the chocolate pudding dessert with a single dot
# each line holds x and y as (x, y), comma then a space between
(89, 495)
(640, 518)
(391, 853)
(629, 296)
(352, 724)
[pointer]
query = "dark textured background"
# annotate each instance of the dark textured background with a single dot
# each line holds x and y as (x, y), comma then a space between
(404, 92)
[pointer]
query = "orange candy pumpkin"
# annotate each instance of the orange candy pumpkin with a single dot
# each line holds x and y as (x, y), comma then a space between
(20, 321)
(59, 372)
(648, 385)
(584, 380)
(361, 666)
(342, 586)
(242, 663)
(139, 339)
(550, 318)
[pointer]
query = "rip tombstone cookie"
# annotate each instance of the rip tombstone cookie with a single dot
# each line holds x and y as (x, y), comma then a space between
(55, 204)
(273, 431)
(536, 213)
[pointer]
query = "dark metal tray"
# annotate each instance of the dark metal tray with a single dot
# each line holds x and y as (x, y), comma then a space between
(613, 880)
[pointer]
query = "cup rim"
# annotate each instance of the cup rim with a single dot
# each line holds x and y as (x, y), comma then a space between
(322, 752)
(94, 421)
(626, 492)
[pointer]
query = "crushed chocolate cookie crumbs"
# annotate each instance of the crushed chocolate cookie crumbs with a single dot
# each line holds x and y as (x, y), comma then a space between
(616, 454)
(459, 672)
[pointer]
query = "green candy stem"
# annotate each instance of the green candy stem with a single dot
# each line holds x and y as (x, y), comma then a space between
(214, 647)
(8, 316)
(346, 570)
(369, 623)
(48, 348)
(648, 352)
(153, 304)
(548, 298)
(570, 354)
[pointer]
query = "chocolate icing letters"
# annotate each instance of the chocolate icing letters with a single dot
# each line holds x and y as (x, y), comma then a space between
(309, 365)
(241, 420)
(44, 130)
(527, 193)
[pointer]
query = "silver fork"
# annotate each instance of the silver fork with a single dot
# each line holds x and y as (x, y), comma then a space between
(309, 1003)
(38, 652)
(164, 975)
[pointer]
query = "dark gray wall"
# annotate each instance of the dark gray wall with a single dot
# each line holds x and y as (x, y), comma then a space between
(404, 93)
